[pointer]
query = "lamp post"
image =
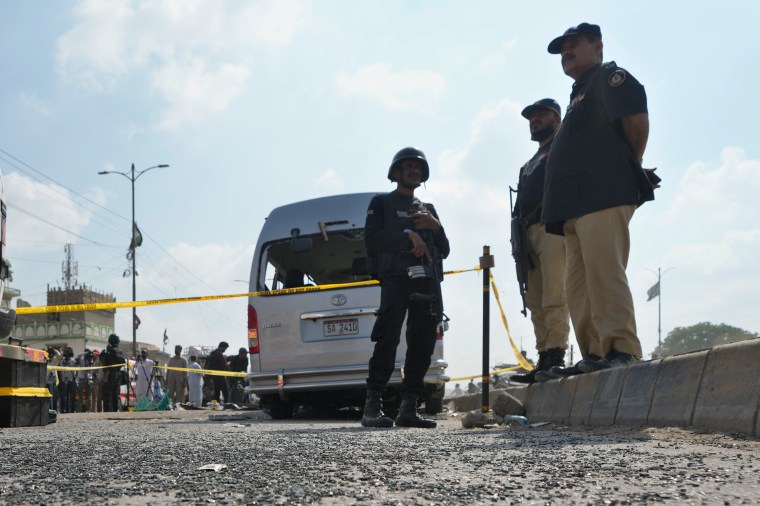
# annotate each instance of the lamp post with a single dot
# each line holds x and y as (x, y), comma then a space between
(132, 176)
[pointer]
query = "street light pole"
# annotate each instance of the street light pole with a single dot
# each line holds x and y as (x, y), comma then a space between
(132, 178)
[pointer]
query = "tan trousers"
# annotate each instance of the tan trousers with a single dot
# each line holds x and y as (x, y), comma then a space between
(598, 295)
(545, 297)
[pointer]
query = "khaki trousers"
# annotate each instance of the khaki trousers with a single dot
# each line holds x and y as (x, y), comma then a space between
(598, 295)
(545, 297)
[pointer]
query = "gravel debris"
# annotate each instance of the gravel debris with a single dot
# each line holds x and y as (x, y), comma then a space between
(157, 458)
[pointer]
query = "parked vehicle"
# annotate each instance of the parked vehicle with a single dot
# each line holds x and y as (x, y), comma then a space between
(310, 344)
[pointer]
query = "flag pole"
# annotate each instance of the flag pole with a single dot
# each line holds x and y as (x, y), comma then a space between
(659, 310)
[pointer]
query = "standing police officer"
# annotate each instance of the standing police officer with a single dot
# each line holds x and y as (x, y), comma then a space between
(545, 295)
(111, 356)
(404, 233)
(594, 181)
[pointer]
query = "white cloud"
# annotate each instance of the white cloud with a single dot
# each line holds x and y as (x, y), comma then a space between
(329, 182)
(193, 92)
(498, 59)
(214, 267)
(720, 196)
(38, 210)
(114, 41)
(35, 103)
(492, 131)
(406, 90)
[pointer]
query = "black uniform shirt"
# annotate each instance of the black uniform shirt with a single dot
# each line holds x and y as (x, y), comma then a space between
(530, 188)
(591, 166)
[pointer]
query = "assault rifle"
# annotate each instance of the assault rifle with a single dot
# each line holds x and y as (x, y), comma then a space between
(432, 271)
(519, 251)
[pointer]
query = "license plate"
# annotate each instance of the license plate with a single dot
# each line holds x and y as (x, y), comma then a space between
(347, 327)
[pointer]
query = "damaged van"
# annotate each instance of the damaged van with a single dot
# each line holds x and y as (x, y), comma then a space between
(309, 325)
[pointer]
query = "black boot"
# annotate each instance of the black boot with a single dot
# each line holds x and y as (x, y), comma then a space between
(408, 417)
(554, 358)
(373, 411)
(530, 377)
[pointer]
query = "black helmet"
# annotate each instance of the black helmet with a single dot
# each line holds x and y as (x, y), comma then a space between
(113, 339)
(410, 153)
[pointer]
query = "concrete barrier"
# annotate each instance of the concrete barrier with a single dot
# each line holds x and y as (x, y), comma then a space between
(715, 389)
(563, 405)
(584, 397)
(729, 393)
(542, 397)
(675, 390)
(608, 388)
(637, 392)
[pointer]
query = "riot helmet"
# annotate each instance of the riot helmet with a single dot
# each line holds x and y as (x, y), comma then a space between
(113, 340)
(410, 153)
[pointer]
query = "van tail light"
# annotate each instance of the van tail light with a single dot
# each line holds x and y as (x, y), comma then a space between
(253, 331)
(442, 327)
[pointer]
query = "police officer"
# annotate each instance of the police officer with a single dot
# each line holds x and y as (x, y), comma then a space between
(402, 232)
(84, 379)
(594, 182)
(545, 295)
(68, 386)
(111, 356)
(239, 363)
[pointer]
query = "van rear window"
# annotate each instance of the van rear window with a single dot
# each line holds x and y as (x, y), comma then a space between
(339, 259)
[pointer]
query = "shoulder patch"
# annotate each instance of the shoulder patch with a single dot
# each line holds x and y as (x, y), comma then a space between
(616, 78)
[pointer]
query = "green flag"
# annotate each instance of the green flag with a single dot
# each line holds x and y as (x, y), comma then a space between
(653, 292)
(136, 237)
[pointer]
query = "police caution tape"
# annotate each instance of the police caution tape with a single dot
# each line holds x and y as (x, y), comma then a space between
(523, 363)
(67, 308)
(209, 372)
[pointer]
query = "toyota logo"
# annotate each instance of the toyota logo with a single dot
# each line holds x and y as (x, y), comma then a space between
(338, 300)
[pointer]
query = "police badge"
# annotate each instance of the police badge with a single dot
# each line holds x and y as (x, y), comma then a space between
(616, 78)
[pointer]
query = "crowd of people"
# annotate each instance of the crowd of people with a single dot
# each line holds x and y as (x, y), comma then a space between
(97, 378)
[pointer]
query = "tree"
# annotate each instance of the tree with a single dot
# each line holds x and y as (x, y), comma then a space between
(700, 336)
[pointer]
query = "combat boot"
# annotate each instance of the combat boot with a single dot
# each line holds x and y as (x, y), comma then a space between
(373, 411)
(554, 358)
(530, 377)
(408, 417)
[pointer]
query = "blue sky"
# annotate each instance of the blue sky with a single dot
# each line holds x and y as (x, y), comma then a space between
(258, 104)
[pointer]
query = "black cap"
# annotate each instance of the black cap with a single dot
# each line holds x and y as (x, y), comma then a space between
(555, 46)
(242, 350)
(544, 103)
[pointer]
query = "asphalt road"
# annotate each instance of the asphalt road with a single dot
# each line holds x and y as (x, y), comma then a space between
(154, 458)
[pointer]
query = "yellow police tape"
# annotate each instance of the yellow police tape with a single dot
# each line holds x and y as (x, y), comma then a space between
(271, 293)
(520, 358)
(209, 372)
(24, 392)
(64, 308)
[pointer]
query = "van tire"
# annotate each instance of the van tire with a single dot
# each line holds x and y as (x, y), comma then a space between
(277, 408)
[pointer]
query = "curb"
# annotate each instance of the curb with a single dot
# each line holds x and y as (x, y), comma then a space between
(716, 389)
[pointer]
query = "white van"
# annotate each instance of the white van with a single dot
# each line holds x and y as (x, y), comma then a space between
(310, 346)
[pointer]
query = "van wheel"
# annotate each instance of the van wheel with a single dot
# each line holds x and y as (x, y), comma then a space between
(434, 399)
(278, 409)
